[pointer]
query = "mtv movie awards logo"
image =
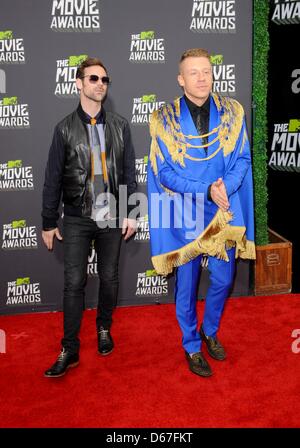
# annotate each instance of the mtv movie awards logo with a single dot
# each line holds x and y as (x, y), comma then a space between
(15, 176)
(12, 114)
(66, 76)
(143, 107)
(11, 49)
(146, 48)
(18, 235)
(142, 231)
(216, 16)
(141, 170)
(296, 81)
(75, 15)
(2, 81)
(23, 292)
(223, 75)
(286, 12)
(285, 149)
(149, 283)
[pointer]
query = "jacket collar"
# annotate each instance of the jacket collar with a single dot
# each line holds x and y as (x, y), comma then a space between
(100, 117)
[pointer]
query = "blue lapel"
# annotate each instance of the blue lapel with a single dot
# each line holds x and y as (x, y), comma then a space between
(186, 120)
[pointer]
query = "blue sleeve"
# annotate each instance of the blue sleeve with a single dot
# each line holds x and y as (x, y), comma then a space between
(234, 177)
(172, 180)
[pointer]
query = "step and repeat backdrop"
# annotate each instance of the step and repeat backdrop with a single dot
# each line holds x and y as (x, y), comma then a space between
(284, 125)
(140, 42)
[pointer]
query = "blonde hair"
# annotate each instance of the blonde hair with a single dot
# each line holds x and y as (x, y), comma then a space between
(195, 53)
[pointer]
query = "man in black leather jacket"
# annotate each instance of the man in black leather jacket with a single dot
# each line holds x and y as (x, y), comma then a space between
(91, 164)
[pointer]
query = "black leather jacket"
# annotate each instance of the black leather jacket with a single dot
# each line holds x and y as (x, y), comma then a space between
(68, 169)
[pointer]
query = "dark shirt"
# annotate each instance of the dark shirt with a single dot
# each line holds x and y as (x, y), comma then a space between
(204, 111)
(87, 119)
(55, 169)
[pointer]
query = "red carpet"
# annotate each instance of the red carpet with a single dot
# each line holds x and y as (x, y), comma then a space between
(145, 382)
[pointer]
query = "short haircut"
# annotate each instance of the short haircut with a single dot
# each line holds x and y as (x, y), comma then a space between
(195, 53)
(89, 62)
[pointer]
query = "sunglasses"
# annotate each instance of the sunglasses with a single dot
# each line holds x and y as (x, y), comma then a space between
(95, 78)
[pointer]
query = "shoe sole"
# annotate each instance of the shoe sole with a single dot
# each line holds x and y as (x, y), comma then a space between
(75, 364)
(105, 354)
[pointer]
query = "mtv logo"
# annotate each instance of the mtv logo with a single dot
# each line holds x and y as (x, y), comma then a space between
(6, 35)
(216, 59)
(147, 35)
(148, 98)
(77, 60)
(9, 101)
(2, 81)
(151, 272)
(18, 224)
(23, 281)
(142, 219)
(14, 164)
(145, 159)
(294, 125)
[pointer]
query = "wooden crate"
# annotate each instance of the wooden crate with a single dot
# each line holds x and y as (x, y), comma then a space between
(273, 266)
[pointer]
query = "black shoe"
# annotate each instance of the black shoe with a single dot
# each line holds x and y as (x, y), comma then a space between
(198, 364)
(105, 342)
(63, 362)
(214, 347)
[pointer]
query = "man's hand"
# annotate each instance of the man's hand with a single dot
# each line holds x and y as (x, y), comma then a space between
(128, 228)
(219, 195)
(49, 235)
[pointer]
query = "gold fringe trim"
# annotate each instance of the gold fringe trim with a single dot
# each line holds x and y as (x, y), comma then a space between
(248, 253)
(214, 240)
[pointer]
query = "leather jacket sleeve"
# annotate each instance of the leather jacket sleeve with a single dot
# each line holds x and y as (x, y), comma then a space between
(53, 181)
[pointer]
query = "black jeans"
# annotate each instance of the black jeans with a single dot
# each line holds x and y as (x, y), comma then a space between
(78, 233)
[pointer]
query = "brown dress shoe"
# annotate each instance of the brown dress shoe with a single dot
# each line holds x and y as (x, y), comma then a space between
(198, 364)
(214, 346)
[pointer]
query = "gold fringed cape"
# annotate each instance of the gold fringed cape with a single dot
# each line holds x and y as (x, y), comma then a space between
(176, 146)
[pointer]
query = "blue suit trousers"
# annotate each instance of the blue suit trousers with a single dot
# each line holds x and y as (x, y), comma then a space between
(186, 287)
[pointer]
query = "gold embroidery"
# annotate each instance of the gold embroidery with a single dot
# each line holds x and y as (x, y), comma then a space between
(165, 124)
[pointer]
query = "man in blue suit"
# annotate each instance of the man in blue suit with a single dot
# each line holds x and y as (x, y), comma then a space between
(200, 150)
